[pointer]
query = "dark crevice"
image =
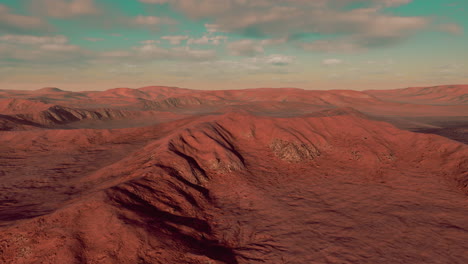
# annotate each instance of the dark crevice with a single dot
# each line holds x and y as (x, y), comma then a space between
(200, 242)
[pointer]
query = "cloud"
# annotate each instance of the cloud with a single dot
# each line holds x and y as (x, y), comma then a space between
(254, 65)
(218, 8)
(152, 20)
(14, 23)
(150, 41)
(245, 47)
(193, 54)
(203, 8)
(368, 26)
(175, 40)
(279, 60)
(33, 40)
(60, 47)
(94, 39)
(331, 62)
(213, 28)
(274, 41)
(154, 1)
(231, 66)
(250, 47)
(205, 40)
(64, 8)
(116, 54)
(154, 52)
(125, 69)
(363, 29)
(389, 3)
(46, 43)
(447, 72)
(385, 62)
(271, 60)
(451, 28)
(452, 68)
(329, 46)
(41, 49)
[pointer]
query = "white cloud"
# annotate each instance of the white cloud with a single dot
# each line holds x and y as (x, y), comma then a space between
(381, 63)
(249, 47)
(274, 41)
(175, 40)
(245, 47)
(60, 47)
(150, 41)
(450, 68)
(258, 64)
(232, 66)
(150, 49)
(447, 71)
(64, 8)
(193, 54)
(94, 39)
(203, 8)
(364, 29)
(41, 49)
(395, 2)
(213, 28)
(279, 60)
(368, 27)
(116, 54)
(152, 52)
(330, 62)
(451, 28)
(12, 22)
(32, 40)
(44, 53)
(205, 40)
(152, 20)
(200, 41)
(154, 1)
(329, 46)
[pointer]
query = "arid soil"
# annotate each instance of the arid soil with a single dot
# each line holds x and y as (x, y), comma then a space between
(171, 175)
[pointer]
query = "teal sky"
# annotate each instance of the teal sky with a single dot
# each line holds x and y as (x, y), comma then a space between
(230, 44)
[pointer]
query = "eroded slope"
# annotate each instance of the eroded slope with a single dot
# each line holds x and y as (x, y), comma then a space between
(236, 188)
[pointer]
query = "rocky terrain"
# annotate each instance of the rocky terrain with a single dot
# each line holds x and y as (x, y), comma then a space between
(171, 175)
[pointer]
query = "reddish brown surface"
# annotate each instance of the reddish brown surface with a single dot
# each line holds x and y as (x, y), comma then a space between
(438, 95)
(168, 175)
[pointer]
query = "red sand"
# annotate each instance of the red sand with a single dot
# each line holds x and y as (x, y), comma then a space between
(254, 176)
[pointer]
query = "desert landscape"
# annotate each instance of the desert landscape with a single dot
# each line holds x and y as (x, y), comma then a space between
(233, 132)
(171, 175)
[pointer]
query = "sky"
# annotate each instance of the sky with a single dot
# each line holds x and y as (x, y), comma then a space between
(232, 44)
